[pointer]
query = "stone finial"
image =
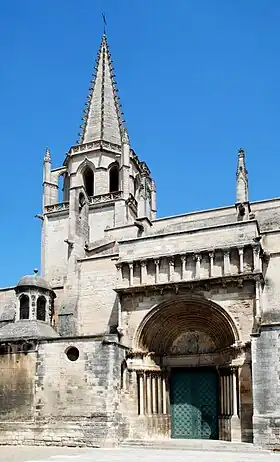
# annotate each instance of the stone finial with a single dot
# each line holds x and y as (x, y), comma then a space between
(241, 179)
(125, 137)
(47, 157)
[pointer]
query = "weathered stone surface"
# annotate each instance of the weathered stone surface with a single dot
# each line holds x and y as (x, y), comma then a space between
(128, 297)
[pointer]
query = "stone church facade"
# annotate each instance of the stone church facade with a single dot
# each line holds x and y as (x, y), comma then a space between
(138, 327)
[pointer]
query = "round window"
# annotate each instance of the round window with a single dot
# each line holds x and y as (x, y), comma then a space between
(72, 353)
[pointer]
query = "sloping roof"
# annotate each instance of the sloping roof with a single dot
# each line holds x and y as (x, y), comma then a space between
(27, 329)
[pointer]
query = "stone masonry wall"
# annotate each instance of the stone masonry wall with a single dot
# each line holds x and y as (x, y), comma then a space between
(266, 386)
(17, 386)
(98, 306)
(55, 249)
(72, 402)
(7, 305)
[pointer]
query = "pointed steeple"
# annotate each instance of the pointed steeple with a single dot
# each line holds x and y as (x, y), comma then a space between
(241, 179)
(103, 117)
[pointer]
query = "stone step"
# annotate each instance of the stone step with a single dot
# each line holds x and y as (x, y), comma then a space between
(196, 445)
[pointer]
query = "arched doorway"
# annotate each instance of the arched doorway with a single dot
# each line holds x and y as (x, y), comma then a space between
(190, 376)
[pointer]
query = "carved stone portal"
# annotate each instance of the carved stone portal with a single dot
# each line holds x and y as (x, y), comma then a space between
(193, 342)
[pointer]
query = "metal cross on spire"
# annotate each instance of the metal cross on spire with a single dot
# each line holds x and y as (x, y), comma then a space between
(104, 23)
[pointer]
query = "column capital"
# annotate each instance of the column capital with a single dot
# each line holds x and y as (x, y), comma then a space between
(131, 264)
(226, 252)
(197, 257)
(183, 258)
(119, 266)
(157, 261)
(240, 250)
(171, 261)
(211, 253)
(256, 249)
(143, 263)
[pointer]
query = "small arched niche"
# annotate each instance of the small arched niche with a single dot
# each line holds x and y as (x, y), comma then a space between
(41, 308)
(24, 307)
(88, 177)
(114, 178)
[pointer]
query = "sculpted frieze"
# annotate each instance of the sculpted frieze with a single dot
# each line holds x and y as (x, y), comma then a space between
(193, 342)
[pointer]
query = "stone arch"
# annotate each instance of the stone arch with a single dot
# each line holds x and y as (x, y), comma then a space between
(114, 177)
(86, 172)
(169, 320)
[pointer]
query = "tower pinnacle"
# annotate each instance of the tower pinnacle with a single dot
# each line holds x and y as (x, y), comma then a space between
(241, 179)
(102, 119)
(47, 157)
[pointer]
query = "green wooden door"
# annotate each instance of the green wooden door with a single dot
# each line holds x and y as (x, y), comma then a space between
(194, 403)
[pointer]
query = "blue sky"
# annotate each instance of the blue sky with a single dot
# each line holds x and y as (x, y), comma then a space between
(198, 79)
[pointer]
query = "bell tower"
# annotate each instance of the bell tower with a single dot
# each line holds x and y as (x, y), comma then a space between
(105, 183)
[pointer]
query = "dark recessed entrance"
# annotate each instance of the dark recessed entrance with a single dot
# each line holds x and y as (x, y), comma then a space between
(194, 403)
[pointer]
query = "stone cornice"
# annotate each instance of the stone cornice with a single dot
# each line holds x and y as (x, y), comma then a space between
(191, 285)
(95, 146)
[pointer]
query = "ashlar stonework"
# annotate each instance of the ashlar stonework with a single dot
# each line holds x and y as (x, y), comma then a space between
(138, 327)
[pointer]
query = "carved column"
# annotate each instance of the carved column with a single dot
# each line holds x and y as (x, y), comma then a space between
(197, 265)
(171, 264)
(226, 262)
(234, 393)
(141, 394)
(211, 264)
(130, 274)
(32, 308)
(154, 394)
(164, 395)
(258, 299)
(143, 272)
(256, 257)
(149, 394)
(183, 267)
(159, 393)
(157, 271)
(241, 259)
(235, 421)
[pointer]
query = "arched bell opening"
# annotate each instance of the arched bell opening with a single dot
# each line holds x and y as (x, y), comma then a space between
(88, 178)
(192, 386)
(114, 179)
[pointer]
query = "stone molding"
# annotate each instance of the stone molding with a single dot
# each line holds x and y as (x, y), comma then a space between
(191, 285)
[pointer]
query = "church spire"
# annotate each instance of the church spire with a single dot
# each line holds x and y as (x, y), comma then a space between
(241, 179)
(103, 117)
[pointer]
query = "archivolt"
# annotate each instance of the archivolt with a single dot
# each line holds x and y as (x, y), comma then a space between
(168, 320)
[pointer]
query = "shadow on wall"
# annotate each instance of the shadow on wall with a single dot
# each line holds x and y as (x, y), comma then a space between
(114, 317)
